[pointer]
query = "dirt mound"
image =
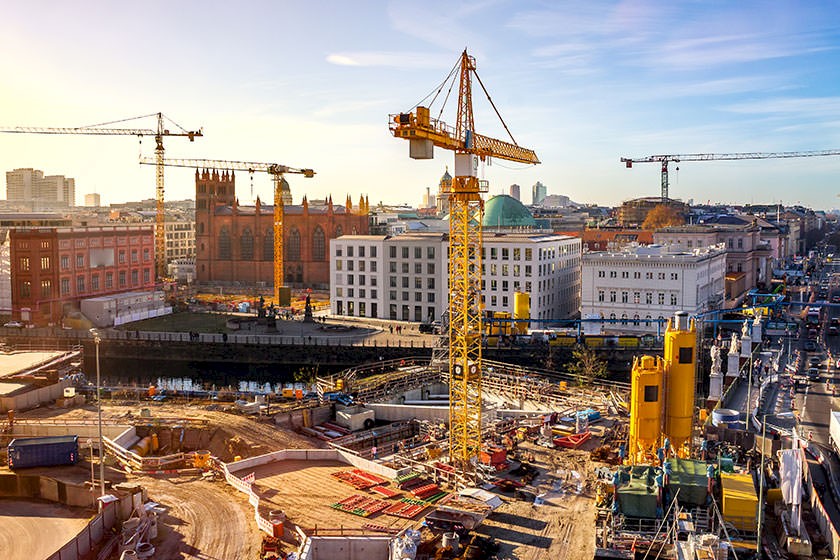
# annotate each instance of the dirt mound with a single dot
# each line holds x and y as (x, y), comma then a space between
(226, 446)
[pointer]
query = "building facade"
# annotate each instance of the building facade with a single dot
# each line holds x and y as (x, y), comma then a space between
(639, 285)
(538, 193)
(406, 277)
(31, 187)
(235, 244)
(54, 269)
(93, 199)
(179, 237)
(748, 257)
(514, 192)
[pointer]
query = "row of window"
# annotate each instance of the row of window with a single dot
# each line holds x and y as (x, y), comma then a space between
(637, 297)
(636, 319)
(395, 312)
(24, 263)
(292, 250)
(638, 275)
(362, 265)
(351, 292)
(359, 250)
(46, 284)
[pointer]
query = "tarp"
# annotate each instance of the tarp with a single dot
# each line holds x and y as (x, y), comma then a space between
(740, 503)
(637, 496)
(689, 477)
(790, 472)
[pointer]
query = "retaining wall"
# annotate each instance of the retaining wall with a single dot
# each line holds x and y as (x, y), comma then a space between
(57, 428)
(398, 412)
(34, 397)
(345, 548)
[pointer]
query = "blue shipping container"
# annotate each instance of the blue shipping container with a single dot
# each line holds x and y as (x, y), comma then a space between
(43, 451)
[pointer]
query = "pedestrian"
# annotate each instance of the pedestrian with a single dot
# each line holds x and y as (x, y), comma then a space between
(374, 452)
(391, 328)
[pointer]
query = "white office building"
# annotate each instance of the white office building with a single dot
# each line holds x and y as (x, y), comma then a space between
(405, 277)
(642, 284)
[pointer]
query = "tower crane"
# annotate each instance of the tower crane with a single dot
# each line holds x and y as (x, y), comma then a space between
(466, 210)
(276, 171)
(665, 159)
(158, 134)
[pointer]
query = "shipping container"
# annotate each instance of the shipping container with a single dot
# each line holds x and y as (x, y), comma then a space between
(740, 503)
(43, 451)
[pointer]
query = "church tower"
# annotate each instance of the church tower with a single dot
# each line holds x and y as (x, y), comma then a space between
(444, 188)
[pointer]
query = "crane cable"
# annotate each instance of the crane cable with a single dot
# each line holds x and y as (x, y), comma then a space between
(486, 93)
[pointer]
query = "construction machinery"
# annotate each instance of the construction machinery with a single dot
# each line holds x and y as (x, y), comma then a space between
(281, 196)
(158, 134)
(466, 211)
(665, 159)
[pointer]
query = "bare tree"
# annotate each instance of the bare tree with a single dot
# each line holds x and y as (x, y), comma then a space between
(587, 366)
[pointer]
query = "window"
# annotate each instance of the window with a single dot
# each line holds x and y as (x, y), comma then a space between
(373, 266)
(405, 268)
(430, 283)
(675, 276)
(637, 275)
(636, 320)
(392, 252)
(418, 283)
(430, 297)
(224, 248)
(65, 262)
(493, 301)
(600, 295)
(350, 265)
(430, 268)
(268, 245)
(339, 292)
(517, 254)
(637, 296)
(122, 254)
(109, 280)
(122, 279)
(418, 296)
(529, 255)
(418, 252)
(134, 255)
(26, 289)
(392, 267)
(65, 286)
(624, 297)
(505, 270)
(494, 285)
(504, 285)
(625, 274)
(418, 268)
(516, 270)
(135, 277)
(405, 296)
(661, 298)
(361, 266)
(648, 275)
(293, 246)
(612, 296)
(147, 255)
(392, 294)
(338, 265)
(94, 282)
(405, 282)
(24, 264)
(350, 279)
(319, 245)
(373, 294)
(504, 301)
(372, 251)
(661, 276)
(45, 263)
(246, 245)
(46, 288)
(349, 250)
(146, 275)
(392, 281)
(405, 252)
(505, 253)
(527, 269)
(740, 267)
(494, 253)
(613, 274)
(80, 284)
(362, 251)
(350, 292)
(740, 243)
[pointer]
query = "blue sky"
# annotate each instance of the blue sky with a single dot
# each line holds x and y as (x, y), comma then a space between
(311, 84)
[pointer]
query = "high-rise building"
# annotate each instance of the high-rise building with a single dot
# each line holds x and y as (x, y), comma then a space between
(93, 199)
(514, 192)
(32, 187)
(538, 193)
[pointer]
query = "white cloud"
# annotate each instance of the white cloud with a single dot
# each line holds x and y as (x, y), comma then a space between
(393, 59)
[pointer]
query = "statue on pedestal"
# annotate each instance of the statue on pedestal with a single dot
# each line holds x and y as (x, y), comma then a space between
(745, 329)
(734, 346)
(715, 353)
(307, 311)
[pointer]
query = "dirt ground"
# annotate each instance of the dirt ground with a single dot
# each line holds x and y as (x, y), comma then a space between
(563, 527)
(304, 491)
(202, 520)
(32, 529)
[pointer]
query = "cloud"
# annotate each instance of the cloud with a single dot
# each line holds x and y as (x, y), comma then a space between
(392, 59)
(822, 107)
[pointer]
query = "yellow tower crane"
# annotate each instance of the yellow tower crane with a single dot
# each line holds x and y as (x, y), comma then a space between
(281, 296)
(158, 133)
(466, 212)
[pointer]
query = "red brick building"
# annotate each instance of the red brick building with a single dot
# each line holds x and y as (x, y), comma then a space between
(235, 244)
(53, 269)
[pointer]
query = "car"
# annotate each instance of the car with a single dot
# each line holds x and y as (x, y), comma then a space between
(13, 325)
(832, 331)
(814, 361)
(810, 346)
(813, 374)
(835, 298)
(426, 328)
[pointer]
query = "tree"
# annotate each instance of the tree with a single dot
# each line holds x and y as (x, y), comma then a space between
(587, 366)
(662, 215)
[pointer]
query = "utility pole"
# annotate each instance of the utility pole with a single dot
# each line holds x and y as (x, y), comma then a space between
(96, 340)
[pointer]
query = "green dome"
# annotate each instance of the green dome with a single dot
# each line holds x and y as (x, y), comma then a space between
(504, 211)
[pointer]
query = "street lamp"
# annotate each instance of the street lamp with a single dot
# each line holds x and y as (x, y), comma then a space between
(96, 340)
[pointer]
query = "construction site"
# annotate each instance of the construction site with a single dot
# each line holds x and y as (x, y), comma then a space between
(451, 456)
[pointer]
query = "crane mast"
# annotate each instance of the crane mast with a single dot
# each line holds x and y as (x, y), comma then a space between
(465, 241)
(158, 134)
(665, 159)
(281, 296)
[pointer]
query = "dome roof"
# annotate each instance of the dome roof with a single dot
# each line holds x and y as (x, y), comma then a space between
(506, 212)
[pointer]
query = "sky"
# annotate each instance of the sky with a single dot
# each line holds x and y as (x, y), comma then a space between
(311, 84)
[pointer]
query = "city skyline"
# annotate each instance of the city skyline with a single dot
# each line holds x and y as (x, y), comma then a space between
(621, 79)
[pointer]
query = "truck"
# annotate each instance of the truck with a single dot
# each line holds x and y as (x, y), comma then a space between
(834, 430)
(43, 451)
